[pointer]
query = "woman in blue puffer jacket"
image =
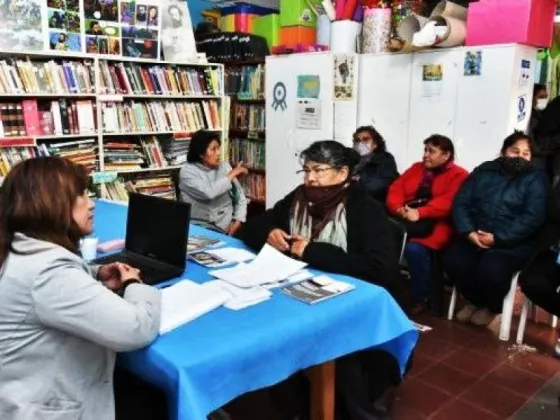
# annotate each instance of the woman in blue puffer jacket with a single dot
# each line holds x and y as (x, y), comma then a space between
(497, 214)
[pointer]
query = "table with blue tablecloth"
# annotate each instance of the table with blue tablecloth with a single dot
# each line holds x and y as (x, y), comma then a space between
(211, 360)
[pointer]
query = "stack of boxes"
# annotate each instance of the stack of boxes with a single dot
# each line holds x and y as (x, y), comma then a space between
(297, 23)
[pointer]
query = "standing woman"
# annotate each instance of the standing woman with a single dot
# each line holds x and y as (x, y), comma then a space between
(377, 168)
(60, 324)
(212, 186)
(497, 215)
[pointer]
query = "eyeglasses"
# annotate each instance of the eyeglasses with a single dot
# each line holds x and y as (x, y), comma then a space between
(317, 171)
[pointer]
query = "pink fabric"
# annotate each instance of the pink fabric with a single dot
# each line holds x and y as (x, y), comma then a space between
(511, 21)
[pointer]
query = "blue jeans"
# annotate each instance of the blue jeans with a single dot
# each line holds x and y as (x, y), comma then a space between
(419, 259)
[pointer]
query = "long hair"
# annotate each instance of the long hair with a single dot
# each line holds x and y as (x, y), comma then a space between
(37, 199)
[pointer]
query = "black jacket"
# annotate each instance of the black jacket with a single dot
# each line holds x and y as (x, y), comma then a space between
(513, 208)
(376, 174)
(372, 251)
(550, 232)
(546, 135)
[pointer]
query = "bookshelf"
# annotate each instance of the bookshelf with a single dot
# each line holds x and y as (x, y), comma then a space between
(244, 84)
(128, 121)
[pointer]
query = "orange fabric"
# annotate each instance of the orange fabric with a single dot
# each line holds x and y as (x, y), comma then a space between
(444, 188)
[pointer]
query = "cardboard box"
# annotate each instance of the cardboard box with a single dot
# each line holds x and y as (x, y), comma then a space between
(511, 21)
(297, 13)
(297, 35)
(269, 28)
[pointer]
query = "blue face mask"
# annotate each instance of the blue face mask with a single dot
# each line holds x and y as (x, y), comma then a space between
(362, 148)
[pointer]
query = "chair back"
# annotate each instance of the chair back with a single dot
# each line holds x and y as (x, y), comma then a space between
(399, 232)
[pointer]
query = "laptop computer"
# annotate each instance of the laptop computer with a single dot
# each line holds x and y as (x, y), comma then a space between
(156, 238)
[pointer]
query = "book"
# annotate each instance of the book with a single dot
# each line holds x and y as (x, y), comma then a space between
(199, 243)
(207, 259)
(317, 289)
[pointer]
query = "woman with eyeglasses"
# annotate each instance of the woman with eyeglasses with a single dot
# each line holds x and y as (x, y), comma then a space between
(377, 168)
(497, 213)
(61, 322)
(334, 226)
(421, 199)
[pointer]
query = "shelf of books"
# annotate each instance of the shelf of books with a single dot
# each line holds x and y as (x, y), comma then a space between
(244, 84)
(127, 121)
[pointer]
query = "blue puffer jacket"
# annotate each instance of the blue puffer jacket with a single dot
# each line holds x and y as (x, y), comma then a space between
(512, 208)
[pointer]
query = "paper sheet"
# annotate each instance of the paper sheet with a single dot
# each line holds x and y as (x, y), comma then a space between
(233, 255)
(187, 300)
(269, 266)
(241, 298)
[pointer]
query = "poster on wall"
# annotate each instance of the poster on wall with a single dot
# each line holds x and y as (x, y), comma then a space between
(65, 25)
(102, 27)
(343, 77)
(177, 36)
(21, 25)
(432, 81)
(140, 25)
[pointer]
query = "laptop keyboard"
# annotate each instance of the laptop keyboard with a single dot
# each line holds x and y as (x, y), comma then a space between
(147, 273)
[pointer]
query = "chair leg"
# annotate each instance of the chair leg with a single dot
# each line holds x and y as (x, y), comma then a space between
(507, 310)
(452, 303)
(523, 321)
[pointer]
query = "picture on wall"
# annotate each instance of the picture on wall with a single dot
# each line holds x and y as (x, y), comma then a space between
(140, 26)
(101, 26)
(64, 23)
(21, 26)
(177, 36)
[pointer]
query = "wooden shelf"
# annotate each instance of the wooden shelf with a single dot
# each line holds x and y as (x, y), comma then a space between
(239, 63)
(248, 101)
(47, 95)
(133, 171)
(119, 97)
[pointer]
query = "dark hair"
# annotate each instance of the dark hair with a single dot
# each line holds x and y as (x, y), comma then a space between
(174, 6)
(37, 199)
(442, 142)
(199, 143)
(375, 135)
(514, 138)
(333, 153)
(538, 87)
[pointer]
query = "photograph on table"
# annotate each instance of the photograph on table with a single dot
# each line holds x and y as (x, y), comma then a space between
(177, 36)
(21, 27)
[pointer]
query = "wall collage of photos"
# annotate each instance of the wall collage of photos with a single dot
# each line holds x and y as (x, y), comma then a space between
(129, 28)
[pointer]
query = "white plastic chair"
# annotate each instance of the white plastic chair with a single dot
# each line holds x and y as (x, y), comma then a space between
(507, 312)
(528, 305)
(507, 308)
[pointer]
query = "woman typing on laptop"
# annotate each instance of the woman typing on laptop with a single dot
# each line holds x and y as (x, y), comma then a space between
(60, 323)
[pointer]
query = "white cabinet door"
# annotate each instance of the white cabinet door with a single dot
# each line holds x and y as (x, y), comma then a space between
(433, 98)
(384, 97)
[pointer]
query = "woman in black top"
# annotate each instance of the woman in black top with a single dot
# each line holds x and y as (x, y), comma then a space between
(334, 226)
(377, 168)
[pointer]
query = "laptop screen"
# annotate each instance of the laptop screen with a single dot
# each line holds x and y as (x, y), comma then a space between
(158, 228)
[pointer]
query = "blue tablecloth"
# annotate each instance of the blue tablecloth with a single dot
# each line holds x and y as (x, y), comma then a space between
(221, 355)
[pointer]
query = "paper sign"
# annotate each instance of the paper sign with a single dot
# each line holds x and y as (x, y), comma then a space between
(309, 86)
(473, 63)
(308, 114)
(343, 77)
(432, 80)
(521, 108)
(524, 73)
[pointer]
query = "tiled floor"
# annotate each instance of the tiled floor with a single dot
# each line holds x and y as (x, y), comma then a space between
(461, 372)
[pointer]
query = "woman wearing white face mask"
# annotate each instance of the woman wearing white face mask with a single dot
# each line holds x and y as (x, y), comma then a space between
(377, 169)
(540, 101)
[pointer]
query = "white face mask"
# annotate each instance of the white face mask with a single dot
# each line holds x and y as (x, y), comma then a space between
(541, 104)
(362, 148)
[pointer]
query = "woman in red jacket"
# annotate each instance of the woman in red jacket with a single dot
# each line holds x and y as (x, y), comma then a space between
(421, 199)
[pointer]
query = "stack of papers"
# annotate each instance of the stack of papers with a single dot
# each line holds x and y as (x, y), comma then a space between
(269, 266)
(317, 289)
(199, 243)
(187, 300)
(241, 298)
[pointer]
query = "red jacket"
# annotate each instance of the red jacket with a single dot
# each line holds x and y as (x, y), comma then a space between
(444, 188)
